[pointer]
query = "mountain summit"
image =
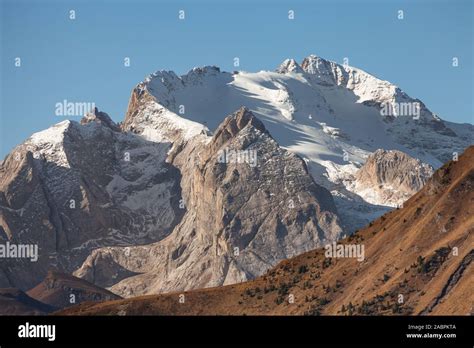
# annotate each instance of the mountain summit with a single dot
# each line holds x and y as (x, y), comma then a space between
(333, 116)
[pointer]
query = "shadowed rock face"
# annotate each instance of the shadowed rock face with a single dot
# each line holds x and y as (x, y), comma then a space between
(16, 302)
(76, 187)
(56, 291)
(249, 204)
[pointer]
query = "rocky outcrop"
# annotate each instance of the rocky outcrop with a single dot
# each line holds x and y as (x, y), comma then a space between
(390, 177)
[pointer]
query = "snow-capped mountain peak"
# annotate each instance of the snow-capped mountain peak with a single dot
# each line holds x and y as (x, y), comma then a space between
(332, 115)
(289, 66)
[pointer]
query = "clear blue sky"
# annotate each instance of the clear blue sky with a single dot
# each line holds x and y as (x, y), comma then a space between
(82, 59)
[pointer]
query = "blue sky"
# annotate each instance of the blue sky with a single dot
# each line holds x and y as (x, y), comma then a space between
(82, 59)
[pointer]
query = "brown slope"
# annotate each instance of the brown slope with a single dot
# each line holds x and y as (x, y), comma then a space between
(63, 290)
(16, 302)
(408, 251)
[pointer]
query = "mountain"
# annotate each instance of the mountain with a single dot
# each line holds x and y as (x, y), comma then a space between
(150, 204)
(63, 290)
(415, 260)
(333, 116)
(76, 187)
(244, 214)
(118, 208)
